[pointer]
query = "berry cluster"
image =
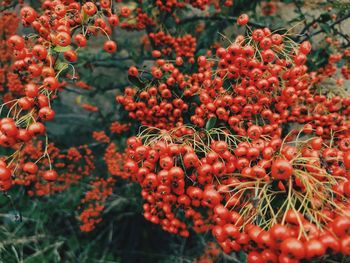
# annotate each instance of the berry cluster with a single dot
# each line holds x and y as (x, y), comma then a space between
(184, 46)
(39, 60)
(263, 161)
(94, 200)
(243, 141)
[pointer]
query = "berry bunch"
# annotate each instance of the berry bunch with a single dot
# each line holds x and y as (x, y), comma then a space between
(263, 162)
(40, 58)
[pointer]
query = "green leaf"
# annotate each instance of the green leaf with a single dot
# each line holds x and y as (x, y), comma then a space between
(325, 17)
(242, 256)
(210, 123)
(136, 81)
(61, 65)
(62, 49)
(326, 28)
(85, 16)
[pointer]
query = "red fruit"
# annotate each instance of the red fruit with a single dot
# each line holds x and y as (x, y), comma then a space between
(30, 167)
(307, 128)
(258, 34)
(294, 217)
(345, 246)
(23, 135)
(176, 173)
(36, 129)
(316, 143)
(26, 103)
(34, 70)
(276, 39)
(130, 166)
(133, 71)
(113, 20)
(269, 256)
(16, 42)
(5, 173)
(254, 257)
(40, 52)
(51, 83)
(110, 46)
(305, 47)
(166, 162)
(90, 8)
(231, 231)
(50, 175)
(314, 248)
(43, 101)
(80, 40)
(279, 233)
(281, 169)
(330, 242)
(28, 14)
(282, 258)
(63, 39)
(46, 113)
(254, 132)
(5, 185)
(346, 159)
(190, 160)
(218, 233)
(9, 129)
(219, 168)
(70, 56)
(268, 55)
(293, 247)
(341, 226)
(105, 3)
(344, 145)
(31, 90)
(211, 198)
(221, 211)
(243, 19)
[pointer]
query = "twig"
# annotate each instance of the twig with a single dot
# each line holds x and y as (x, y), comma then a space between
(6, 7)
(217, 18)
(331, 26)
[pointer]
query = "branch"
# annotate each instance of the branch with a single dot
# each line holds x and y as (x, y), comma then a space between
(346, 37)
(321, 30)
(75, 90)
(216, 18)
(6, 7)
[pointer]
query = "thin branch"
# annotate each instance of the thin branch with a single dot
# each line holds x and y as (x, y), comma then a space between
(331, 26)
(216, 18)
(76, 90)
(7, 7)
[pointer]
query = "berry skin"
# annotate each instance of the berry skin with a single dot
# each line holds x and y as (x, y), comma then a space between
(90, 8)
(80, 40)
(281, 169)
(50, 175)
(30, 167)
(110, 46)
(243, 20)
(5, 173)
(70, 56)
(16, 42)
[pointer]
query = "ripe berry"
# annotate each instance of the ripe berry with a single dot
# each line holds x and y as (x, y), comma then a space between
(281, 169)
(110, 46)
(50, 175)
